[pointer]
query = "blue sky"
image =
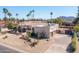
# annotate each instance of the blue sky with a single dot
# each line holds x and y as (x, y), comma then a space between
(40, 11)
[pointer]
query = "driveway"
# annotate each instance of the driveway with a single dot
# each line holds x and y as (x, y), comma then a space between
(59, 44)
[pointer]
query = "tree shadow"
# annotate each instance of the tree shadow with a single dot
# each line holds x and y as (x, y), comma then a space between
(69, 48)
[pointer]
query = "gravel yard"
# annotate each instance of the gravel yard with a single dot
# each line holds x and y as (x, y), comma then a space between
(15, 41)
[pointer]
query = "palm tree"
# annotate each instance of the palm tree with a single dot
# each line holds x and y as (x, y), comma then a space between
(5, 11)
(17, 16)
(28, 14)
(51, 13)
(33, 12)
(9, 14)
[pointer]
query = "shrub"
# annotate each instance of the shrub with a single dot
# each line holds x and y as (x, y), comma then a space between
(50, 21)
(76, 28)
(33, 44)
(74, 42)
(29, 34)
(58, 21)
(34, 35)
(10, 26)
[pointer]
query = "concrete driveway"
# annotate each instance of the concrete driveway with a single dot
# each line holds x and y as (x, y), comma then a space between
(59, 44)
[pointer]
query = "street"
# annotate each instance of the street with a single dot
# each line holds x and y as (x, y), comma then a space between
(4, 49)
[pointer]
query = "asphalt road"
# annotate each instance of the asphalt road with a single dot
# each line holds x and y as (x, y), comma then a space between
(4, 49)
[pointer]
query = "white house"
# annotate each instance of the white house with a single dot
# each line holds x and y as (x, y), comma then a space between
(42, 29)
(48, 30)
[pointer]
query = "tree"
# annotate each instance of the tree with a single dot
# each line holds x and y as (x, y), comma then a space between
(28, 15)
(50, 21)
(74, 42)
(76, 21)
(51, 13)
(9, 14)
(76, 28)
(33, 12)
(5, 11)
(58, 21)
(10, 25)
(17, 16)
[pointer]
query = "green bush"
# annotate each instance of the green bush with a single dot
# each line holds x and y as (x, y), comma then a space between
(50, 21)
(76, 28)
(10, 26)
(74, 42)
(29, 34)
(58, 21)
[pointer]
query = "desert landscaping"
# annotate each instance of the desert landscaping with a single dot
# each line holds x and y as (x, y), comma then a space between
(33, 35)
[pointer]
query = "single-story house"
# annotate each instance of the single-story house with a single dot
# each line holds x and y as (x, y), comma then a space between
(41, 28)
(47, 30)
(52, 28)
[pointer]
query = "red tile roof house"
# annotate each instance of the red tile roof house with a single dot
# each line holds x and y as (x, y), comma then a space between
(2, 25)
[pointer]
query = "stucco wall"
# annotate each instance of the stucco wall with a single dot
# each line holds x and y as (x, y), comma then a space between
(46, 29)
(53, 28)
(42, 29)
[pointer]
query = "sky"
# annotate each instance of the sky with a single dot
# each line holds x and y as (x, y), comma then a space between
(40, 11)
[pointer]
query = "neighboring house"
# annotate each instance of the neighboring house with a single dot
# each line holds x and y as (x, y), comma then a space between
(67, 24)
(31, 24)
(52, 28)
(2, 25)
